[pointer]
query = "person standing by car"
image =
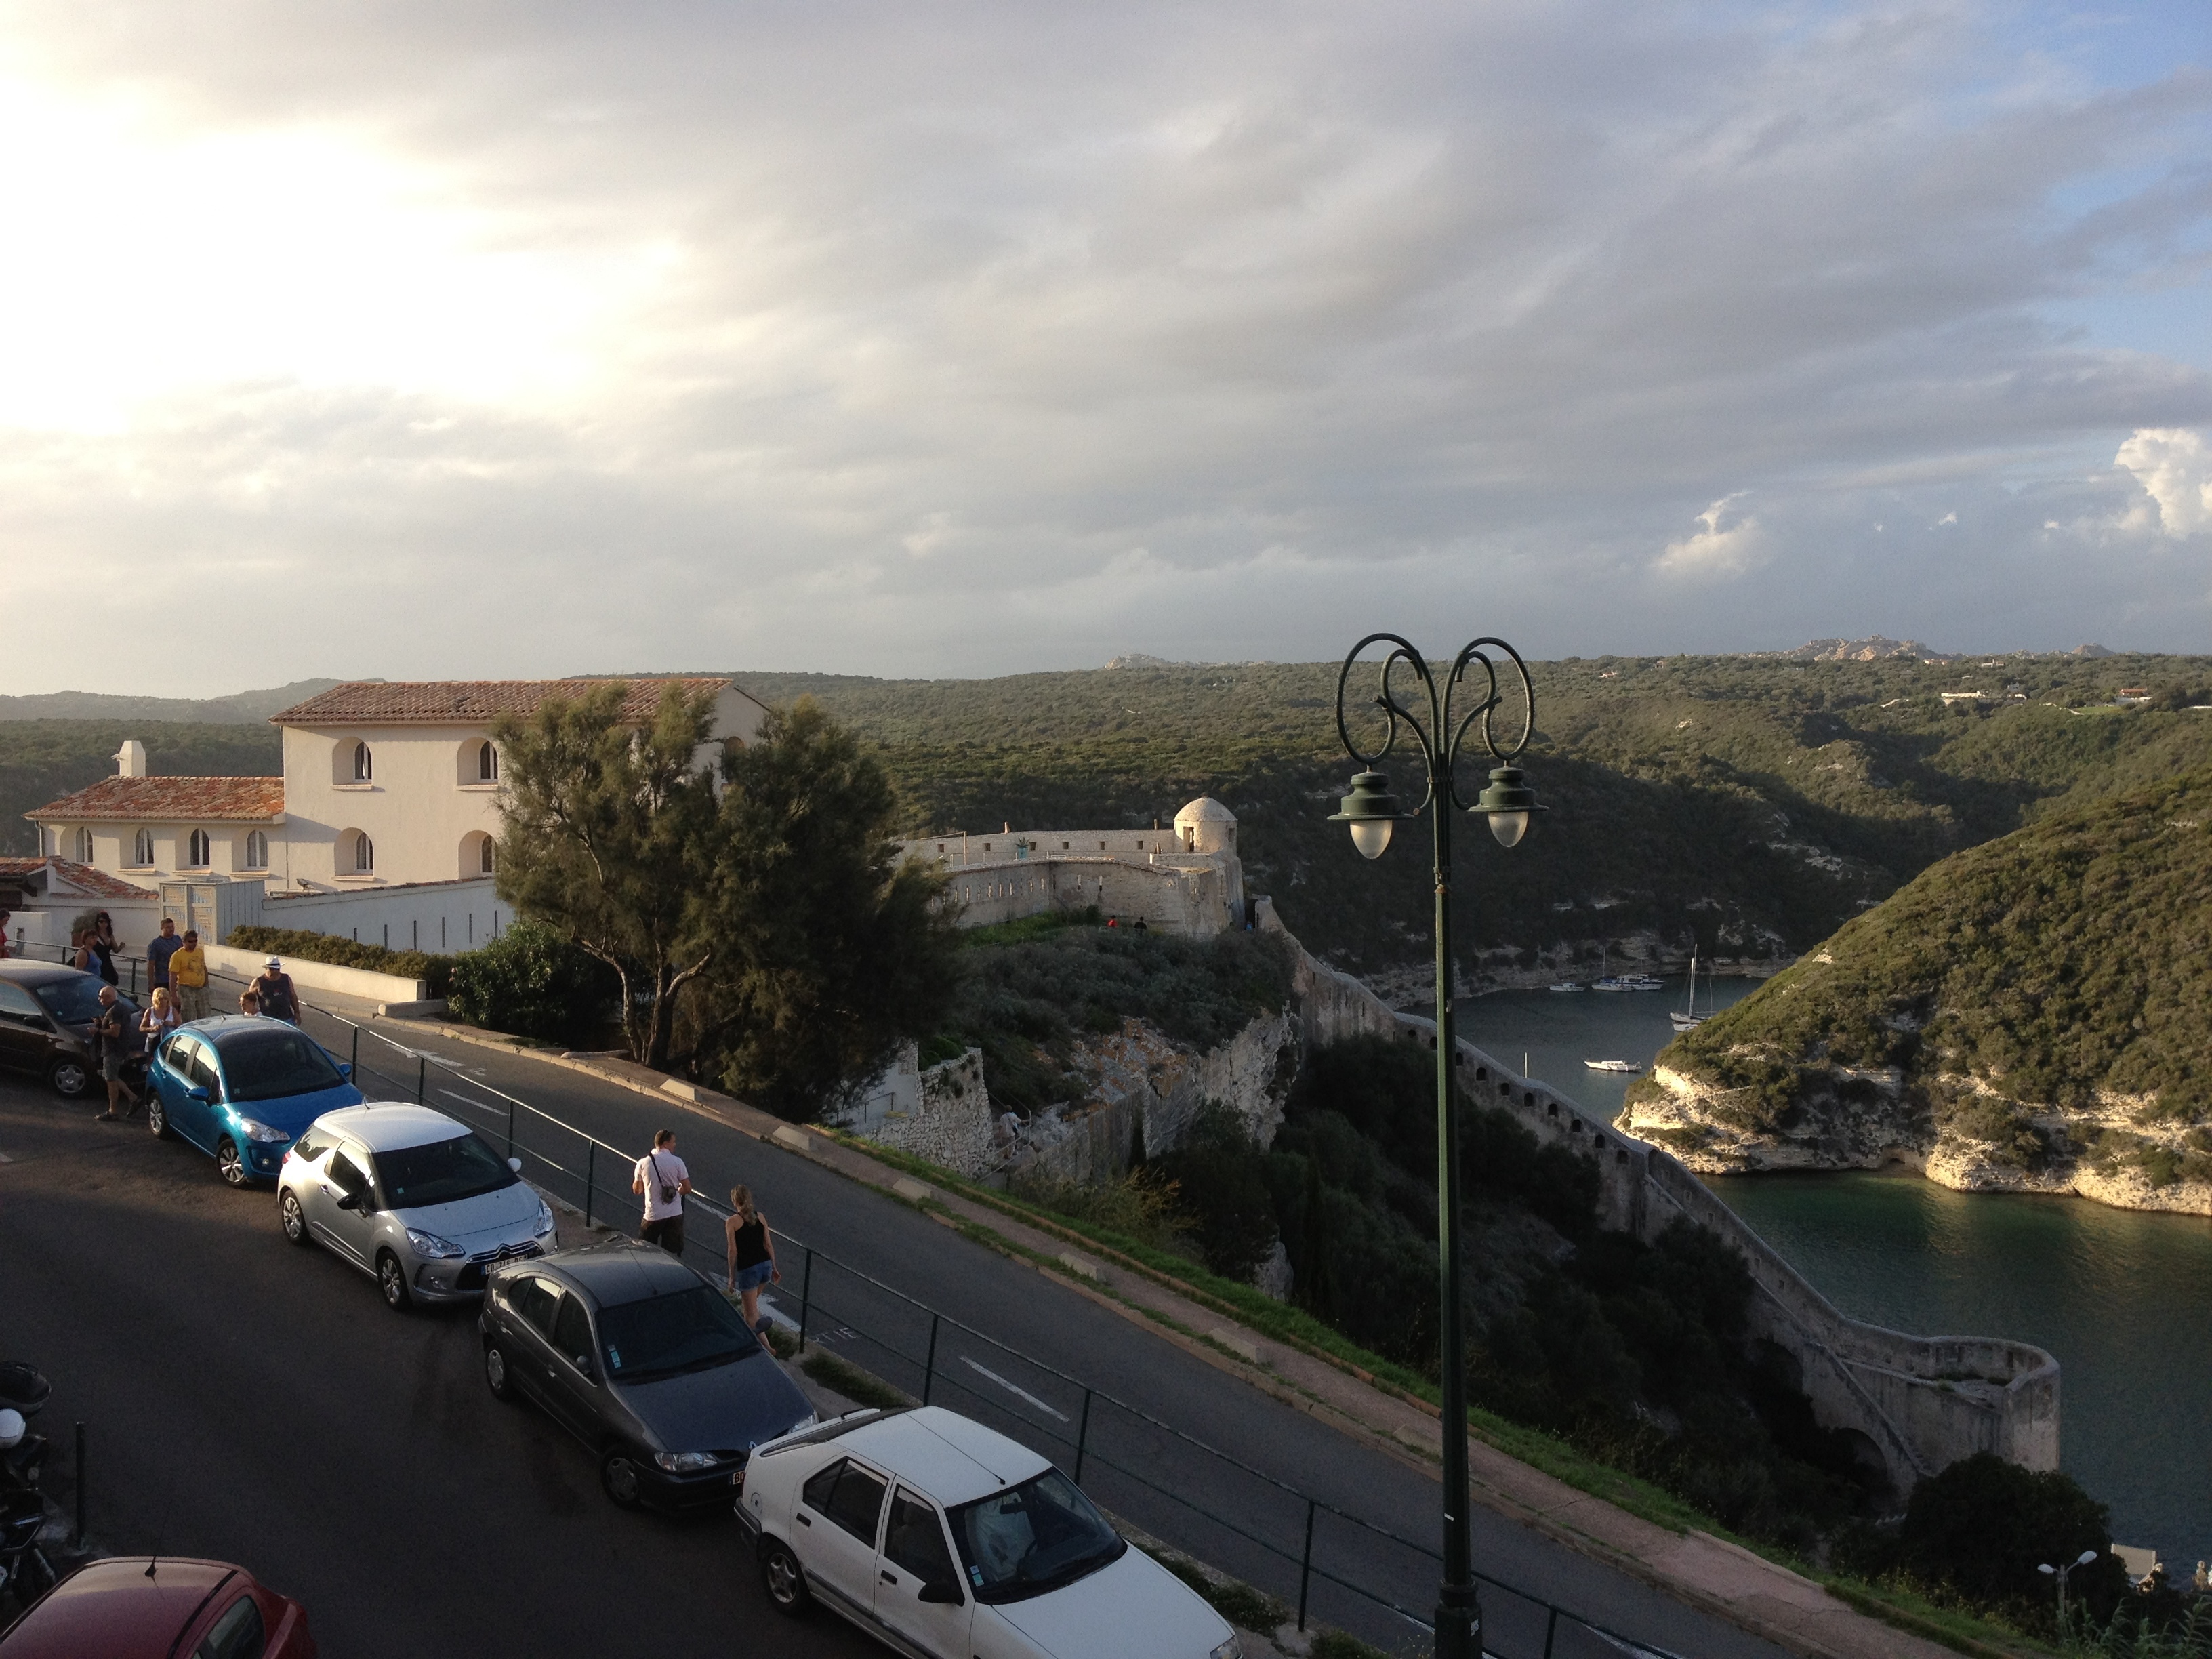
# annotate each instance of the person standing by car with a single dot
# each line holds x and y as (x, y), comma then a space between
(108, 1032)
(96, 948)
(5, 918)
(752, 1254)
(159, 1020)
(249, 1002)
(188, 979)
(273, 987)
(661, 1177)
(166, 944)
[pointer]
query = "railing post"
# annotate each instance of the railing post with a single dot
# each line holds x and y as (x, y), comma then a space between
(1082, 1436)
(421, 1077)
(806, 1296)
(80, 1485)
(1305, 1565)
(510, 1129)
(1551, 1629)
(357, 1053)
(929, 1365)
(591, 1155)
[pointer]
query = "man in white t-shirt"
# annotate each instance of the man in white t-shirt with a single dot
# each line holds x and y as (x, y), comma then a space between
(661, 1177)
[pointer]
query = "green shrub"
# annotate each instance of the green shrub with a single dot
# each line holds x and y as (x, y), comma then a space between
(1143, 1205)
(1221, 1188)
(434, 971)
(533, 982)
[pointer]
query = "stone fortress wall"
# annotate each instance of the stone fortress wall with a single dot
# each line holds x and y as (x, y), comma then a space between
(1914, 1403)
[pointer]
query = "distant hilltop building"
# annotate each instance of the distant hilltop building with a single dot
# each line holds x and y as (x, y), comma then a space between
(383, 825)
(1188, 879)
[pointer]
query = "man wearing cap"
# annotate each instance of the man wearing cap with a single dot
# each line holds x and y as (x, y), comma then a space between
(188, 978)
(273, 987)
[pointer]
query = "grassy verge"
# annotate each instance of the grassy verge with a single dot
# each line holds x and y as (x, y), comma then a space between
(1962, 1632)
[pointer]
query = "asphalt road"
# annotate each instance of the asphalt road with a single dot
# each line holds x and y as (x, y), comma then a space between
(257, 1403)
(1195, 1501)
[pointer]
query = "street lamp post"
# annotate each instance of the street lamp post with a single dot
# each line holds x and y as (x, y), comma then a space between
(2062, 1574)
(1370, 811)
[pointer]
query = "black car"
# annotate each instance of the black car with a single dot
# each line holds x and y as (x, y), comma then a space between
(646, 1362)
(46, 1012)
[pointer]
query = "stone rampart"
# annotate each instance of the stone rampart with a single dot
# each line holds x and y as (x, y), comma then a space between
(1914, 1403)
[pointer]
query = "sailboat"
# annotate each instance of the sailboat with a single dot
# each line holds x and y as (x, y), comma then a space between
(1686, 1018)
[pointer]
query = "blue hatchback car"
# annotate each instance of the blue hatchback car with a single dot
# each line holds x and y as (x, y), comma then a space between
(242, 1088)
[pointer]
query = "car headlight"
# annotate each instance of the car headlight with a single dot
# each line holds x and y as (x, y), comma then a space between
(544, 1217)
(431, 1245)
(255, 1130)
(1230, 1650)
(684, 1462)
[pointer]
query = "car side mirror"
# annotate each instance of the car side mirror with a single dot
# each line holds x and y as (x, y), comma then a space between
(349, 1200)
(515, 1164)
(582, 1362)
(198, 1091)
(346, 1068)
(947, 1595)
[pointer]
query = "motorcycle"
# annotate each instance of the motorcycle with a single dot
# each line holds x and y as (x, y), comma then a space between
(25, 1571)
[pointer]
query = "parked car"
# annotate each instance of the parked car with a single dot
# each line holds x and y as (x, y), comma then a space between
(943, 1538)
(417, 1199)
(646, 1362)
(159, 1608)
(46, 1012)
(241, 1089)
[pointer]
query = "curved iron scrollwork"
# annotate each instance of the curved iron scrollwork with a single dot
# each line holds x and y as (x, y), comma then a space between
(1445, 732)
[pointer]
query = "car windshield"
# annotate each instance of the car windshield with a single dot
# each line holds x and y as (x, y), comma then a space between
(662, 1335)
(1032, 1538)
(416, 1177)
(274, 1062)
(74, 1002)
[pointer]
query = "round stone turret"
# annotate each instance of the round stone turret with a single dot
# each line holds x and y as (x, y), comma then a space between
(1206, 826)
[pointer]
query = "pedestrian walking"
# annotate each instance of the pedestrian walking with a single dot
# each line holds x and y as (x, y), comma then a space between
(5, 918)
(159, 1019)
(661, 1177)
(752, 1254)
(188, 979)
(166, 944)
(112, 1044)
(274, 987)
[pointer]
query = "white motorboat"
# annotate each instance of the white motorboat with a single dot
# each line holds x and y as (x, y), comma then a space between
(1612, 1066)
(1570, 985)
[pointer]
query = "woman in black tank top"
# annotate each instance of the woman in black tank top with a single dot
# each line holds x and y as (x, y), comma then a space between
(752, 1253)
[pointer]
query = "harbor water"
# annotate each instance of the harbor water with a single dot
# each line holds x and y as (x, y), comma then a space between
(2124, 1298)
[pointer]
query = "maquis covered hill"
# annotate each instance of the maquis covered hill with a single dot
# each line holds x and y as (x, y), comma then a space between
(2033, 1013)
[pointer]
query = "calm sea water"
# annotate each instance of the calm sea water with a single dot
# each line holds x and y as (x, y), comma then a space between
(2123, 1300)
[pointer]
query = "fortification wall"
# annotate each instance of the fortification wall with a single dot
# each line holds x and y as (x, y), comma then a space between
(1916, 1403)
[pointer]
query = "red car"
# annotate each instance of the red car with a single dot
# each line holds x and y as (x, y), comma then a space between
(182, 1609)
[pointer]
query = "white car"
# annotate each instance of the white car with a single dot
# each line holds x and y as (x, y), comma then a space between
(947, 1540)
(419, 1202)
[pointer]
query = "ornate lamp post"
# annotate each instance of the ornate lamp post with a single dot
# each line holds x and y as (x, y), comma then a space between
(1371, 812)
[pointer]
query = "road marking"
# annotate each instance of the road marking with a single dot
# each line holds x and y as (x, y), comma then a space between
(985, 1371)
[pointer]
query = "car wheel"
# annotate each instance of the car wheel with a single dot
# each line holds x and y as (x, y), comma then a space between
(227, 1163)
(497, 1377)
(781, 1578)
(391, 1279)
(157, 1118)
(70, 1077)
(619, 1474)
(296, 1223)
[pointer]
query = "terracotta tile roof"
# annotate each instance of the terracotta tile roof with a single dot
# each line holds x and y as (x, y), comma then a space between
(170, 799)
(82, 878)
(465, 702)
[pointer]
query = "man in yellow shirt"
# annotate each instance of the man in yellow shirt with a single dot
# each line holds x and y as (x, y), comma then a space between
(188, 978)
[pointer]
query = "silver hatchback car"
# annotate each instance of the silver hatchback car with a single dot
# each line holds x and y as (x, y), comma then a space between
(409, 1196)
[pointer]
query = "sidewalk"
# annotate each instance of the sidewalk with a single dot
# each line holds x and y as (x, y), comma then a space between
(1696, 1568)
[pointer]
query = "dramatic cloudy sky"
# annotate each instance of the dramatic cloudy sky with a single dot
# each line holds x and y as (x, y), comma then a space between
(417, 339)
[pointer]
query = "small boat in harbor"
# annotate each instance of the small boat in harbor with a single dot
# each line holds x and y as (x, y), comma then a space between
(1629, 982)
(1612, 1066)
(1570, 985)
(1687, 1019)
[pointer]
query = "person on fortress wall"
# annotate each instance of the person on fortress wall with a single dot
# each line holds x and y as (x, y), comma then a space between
(1140, 926)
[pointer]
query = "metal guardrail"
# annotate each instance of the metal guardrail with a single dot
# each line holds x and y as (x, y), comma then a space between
(1531, 1624)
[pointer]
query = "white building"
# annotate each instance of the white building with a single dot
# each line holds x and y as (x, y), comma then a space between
(383, 824)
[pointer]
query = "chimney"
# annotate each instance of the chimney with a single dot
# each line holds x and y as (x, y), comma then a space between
(130, 759)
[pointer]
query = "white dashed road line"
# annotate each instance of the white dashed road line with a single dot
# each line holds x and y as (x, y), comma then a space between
(1022, 1394)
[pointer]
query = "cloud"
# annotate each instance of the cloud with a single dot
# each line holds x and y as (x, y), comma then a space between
(1718, 549)
(874, 341)
(2175, 470)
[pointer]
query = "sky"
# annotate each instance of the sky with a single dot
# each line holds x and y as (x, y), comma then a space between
(419, 341)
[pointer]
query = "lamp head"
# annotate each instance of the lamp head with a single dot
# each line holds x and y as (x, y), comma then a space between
(1370, 809)
(1509, 804)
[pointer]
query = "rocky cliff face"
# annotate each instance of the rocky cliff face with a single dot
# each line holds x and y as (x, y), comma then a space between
(1967, 1137)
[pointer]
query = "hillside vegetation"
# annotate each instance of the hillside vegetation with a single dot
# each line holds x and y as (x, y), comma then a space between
(41, 760)
(2033, 1012)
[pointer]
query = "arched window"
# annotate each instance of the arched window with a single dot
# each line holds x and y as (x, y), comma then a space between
(142, 847)
(196, 850)
(363, 769)
(256, 850)
(490, 853)
(84, 846)
(487, 767)
(364, 852)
